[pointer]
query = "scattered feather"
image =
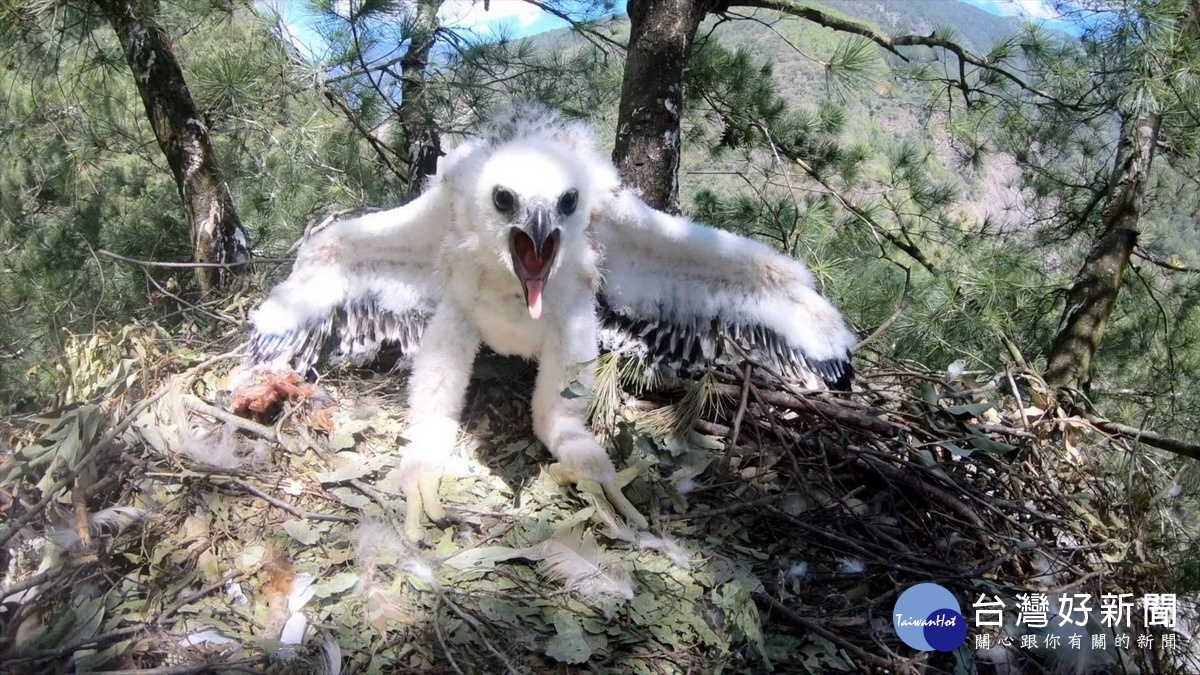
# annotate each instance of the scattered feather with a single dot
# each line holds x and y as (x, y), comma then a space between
(378, 544)
(116, 519)
(956, 369)
(616, 529)
(381, 603)
(421, 570)
(852, 566)
(293, 630)
(111, 522)
(234, 590)
(574, 558)
(302, 592)
(798, 571)
(207, 637)
(218, 449)
(333, 655)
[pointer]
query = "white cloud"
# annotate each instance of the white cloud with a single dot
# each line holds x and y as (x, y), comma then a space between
(1041, 10)
(1038, 9)
(471, 13)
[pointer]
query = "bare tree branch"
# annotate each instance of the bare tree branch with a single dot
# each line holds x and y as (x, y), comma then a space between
(893, 44)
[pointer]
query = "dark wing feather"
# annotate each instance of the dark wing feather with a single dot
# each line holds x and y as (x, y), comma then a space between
(679, 294)
(361, 291)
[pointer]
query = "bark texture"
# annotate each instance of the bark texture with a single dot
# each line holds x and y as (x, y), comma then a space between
(422, 144)
(1094, 292)
(647, 144)
(217, 233)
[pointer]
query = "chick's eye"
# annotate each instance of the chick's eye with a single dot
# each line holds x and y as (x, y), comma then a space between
(504, 200)
(568, 202)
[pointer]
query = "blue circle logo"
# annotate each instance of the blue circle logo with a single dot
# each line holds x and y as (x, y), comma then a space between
(928, 617)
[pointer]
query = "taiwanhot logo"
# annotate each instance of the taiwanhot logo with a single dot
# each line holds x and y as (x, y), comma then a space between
(928, 617)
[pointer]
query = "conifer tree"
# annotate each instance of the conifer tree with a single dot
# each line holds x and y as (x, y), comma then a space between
(220, 243)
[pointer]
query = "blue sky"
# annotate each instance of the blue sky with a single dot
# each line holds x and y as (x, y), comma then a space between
(519, 18)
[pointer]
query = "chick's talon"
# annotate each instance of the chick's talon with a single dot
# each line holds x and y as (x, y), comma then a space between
(607, 493)
(420, 486)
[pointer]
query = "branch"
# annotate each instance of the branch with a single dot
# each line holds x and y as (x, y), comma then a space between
(381, 149)
(155, 263)
(1150, 438)
(892, 44)
(912, 250)
(1159, 262)
(580, 27)
(900, 307)
(830, 408)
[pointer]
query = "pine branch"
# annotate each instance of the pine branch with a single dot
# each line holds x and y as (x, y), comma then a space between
(588, 33)
(1150, 438)
(892, 44)
(322, 85)
(1157, 261)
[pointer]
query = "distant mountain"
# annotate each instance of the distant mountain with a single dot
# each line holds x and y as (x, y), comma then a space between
(974, 28)
(885, 113)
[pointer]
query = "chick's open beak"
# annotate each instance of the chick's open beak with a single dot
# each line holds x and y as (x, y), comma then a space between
(533, 247)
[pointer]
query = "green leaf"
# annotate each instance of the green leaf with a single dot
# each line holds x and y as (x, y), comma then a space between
(986, 443)
(575, 389)
(343, 437)
(338, 583)
(485, 558)
(956, 451)
(971, 409)
(568, 644)
(302, 531)
(354, 466)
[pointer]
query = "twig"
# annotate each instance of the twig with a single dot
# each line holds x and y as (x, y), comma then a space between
(819, 628)
(437, 629)
(188, 669)
(1150, 438)
(101, 446)
(737, 419)
(192, 597)
(26, 584)
(899, 311)
(58, 652)
(262, 430)
(1155, 260)
(508, 666)
(892, 44)
(723, 510)
(83, 529)
(373, 494)
(284, 506)
(1012, 382)
(191, 265)
(834, 410)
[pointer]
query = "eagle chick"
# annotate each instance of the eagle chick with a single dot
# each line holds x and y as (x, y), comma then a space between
(529, 243)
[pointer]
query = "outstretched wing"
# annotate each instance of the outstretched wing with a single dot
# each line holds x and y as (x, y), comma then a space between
(673, 289)
(360, 288)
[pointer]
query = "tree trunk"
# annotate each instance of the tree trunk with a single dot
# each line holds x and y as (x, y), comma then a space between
(422, 145)
(647, 147)
(1093, 295)
(217, 234)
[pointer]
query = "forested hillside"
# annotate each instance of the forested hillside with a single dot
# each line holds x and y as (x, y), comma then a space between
(1007, 216)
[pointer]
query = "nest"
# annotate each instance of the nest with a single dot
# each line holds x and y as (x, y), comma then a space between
(149, 530)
